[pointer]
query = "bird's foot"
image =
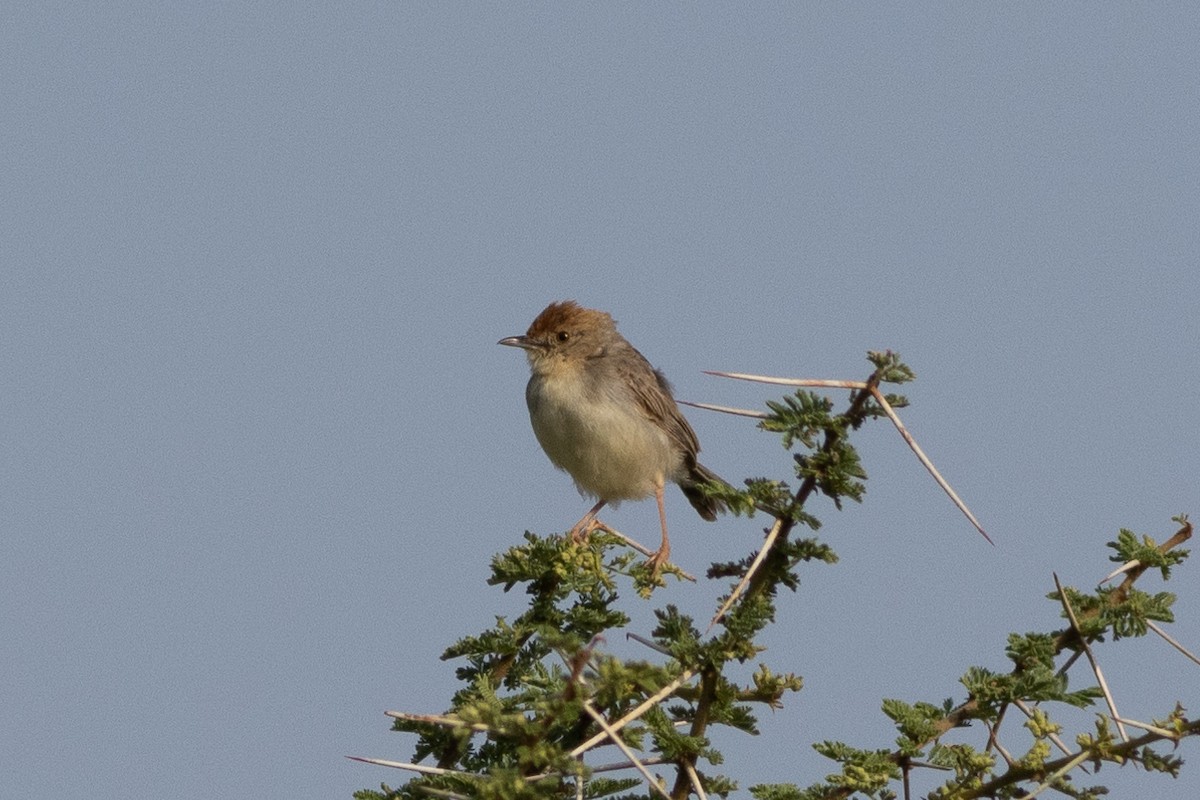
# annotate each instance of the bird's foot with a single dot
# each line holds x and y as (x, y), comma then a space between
(658, 558)
(584, 528)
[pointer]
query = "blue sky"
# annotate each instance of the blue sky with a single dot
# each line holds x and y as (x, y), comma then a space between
(259, 443)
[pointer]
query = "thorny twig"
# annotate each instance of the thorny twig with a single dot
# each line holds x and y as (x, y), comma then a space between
(868, 386)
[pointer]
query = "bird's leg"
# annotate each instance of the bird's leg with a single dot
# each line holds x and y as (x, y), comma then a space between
(664, 550)
(581, 530)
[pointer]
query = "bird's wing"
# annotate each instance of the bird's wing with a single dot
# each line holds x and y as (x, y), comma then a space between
(659, 406)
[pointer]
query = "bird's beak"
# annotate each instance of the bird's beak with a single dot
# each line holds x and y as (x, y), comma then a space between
(523, 342)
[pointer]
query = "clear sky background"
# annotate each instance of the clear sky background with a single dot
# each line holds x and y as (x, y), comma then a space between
(259, 444)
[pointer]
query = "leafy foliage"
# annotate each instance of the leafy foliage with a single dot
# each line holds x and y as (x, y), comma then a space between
(540, 691)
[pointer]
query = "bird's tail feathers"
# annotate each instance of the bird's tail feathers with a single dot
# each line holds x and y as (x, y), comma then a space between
(707, 507)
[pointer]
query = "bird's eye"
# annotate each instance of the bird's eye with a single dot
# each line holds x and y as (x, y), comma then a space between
(563, 336)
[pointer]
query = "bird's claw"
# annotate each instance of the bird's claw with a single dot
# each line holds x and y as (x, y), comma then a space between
(584, 528)
(657, 560)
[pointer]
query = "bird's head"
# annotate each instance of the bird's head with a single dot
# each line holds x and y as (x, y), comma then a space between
(565, 335)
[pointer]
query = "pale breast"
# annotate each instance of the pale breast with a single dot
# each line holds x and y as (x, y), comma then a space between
(610, 449)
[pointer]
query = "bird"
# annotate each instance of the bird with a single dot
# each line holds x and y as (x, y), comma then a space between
(608, 418)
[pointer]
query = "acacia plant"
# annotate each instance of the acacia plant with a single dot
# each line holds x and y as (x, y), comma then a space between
(544, 711)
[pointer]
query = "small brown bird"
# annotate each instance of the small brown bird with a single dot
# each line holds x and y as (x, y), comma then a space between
(607, 417)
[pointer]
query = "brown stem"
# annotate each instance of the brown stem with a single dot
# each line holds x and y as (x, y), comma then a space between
(708, 689)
